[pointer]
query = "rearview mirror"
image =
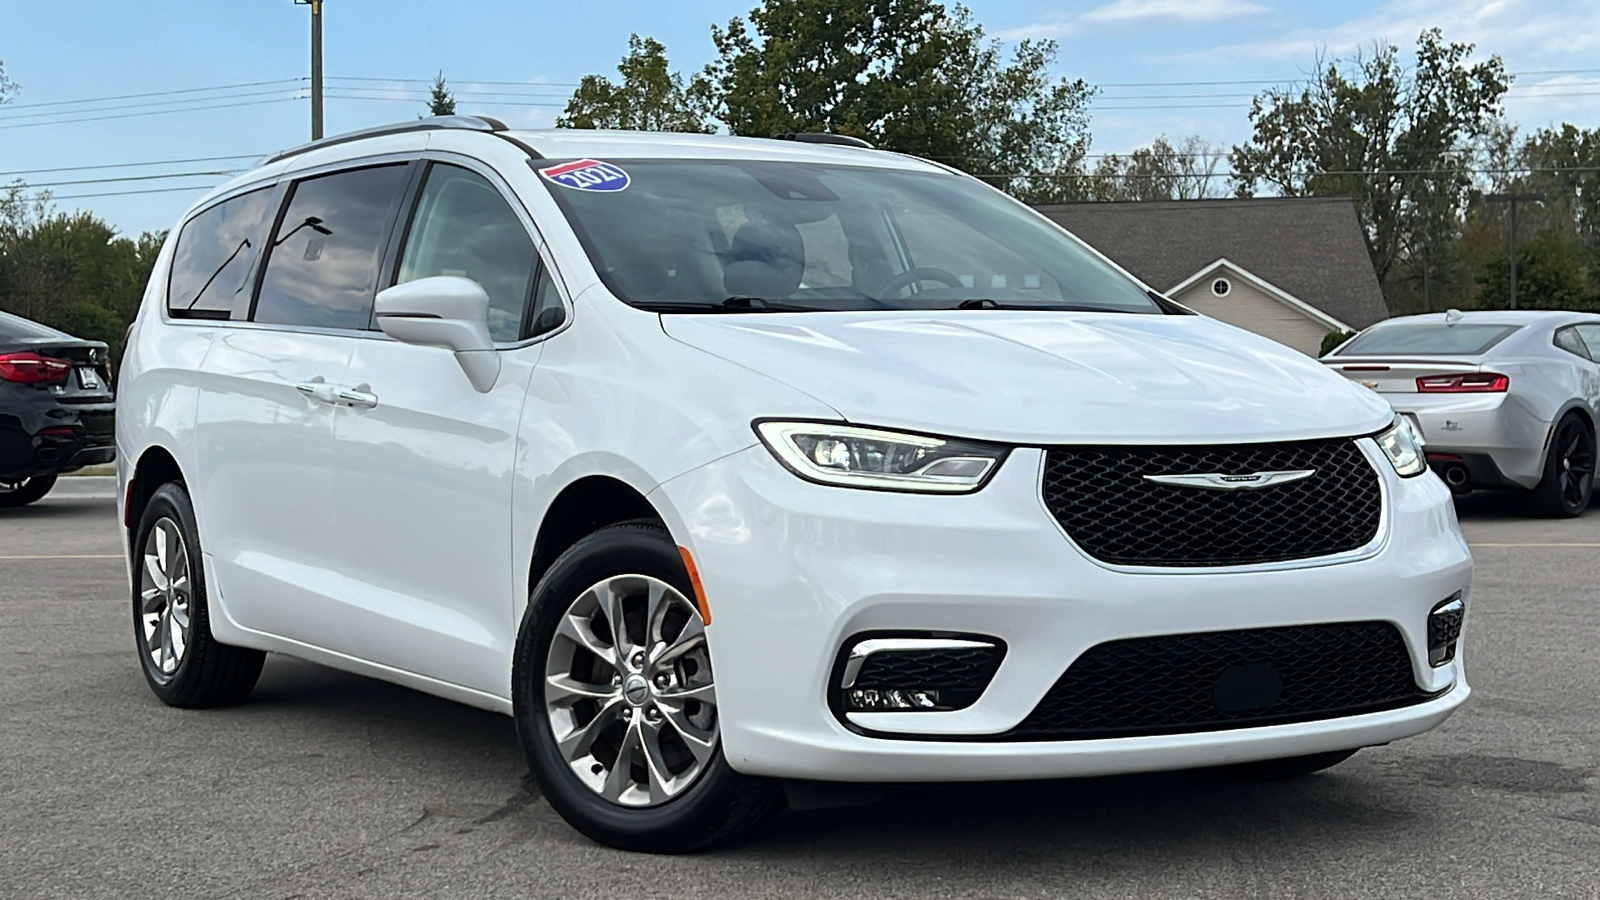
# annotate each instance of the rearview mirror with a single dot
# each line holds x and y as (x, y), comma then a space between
(444, 311)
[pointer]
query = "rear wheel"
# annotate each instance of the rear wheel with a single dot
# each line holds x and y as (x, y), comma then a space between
(1568, 479)
(1291, 767)
(616, 704)
(184, 665)
(22, 491)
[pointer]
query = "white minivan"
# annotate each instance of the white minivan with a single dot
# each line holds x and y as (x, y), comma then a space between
(725, 465)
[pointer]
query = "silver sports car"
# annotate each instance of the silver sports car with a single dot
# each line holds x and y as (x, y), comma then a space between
(1504, 400)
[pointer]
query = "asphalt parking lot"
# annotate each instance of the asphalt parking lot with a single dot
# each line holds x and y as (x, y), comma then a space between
(330, 785)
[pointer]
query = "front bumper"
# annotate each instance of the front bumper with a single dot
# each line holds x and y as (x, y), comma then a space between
(792, 569)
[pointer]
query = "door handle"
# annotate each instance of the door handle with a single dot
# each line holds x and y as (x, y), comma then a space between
(357, 397)
(320, 390)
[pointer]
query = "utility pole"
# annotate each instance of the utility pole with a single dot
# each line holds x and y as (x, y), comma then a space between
(316, 66)
(1514, 199)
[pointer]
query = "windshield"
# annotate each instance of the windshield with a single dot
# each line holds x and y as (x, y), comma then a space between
(692, 235)
(1427, 339)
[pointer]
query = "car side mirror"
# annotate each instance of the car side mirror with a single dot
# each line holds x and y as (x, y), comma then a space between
(443, 311)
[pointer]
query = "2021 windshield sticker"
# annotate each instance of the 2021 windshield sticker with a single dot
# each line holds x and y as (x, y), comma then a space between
(587, 175)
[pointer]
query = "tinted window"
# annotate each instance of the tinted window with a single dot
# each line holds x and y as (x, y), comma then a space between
(1568, 340)
(687, 233)
(16, 328)
(463, 226)
(1591, 338)
(323, 264)
(1427, 339)
(548, 313)
(211, 263)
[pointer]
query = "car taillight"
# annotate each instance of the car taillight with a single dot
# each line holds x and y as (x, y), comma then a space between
(28, 367)
(1470, 383)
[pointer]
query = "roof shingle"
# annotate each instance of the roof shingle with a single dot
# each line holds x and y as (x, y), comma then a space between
(1310, 247)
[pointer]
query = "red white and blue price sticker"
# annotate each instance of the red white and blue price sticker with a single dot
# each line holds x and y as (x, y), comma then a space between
(587, 175)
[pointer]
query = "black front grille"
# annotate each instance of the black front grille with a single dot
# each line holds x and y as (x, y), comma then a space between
(1226, 679)
(1102, 500)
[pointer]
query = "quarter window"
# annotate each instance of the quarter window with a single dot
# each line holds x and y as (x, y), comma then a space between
(211, 263)
(1568, 340)
(323, 264)
(463, 226)
(1591, 338)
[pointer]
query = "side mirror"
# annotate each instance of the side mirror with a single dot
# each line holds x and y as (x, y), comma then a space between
(444, 311)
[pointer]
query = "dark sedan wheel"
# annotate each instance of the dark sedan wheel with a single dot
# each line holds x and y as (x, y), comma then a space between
(1568, 479)
(184, 664)
(22, 491)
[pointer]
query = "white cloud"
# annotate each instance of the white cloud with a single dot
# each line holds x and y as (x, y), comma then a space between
(1122, 11)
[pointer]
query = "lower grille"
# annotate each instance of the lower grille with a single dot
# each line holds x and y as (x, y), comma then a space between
(1226, 679)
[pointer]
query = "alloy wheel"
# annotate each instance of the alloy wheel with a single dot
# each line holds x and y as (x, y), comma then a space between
(1577, 457)
(629, 693)
(165, 596)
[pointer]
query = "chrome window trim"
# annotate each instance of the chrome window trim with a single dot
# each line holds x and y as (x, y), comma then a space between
(1375, 458)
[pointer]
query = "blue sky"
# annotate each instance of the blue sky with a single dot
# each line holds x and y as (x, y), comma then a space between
(1153, 58)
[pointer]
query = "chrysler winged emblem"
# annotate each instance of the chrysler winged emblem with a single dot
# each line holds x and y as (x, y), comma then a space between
(1217, 481)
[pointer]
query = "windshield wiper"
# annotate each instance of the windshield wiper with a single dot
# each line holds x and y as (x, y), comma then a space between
(730, 305)
(990, 303)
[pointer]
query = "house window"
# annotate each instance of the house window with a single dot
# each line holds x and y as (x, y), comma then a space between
(1221, 287)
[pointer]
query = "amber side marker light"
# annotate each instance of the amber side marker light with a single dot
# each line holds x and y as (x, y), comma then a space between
(694, 582)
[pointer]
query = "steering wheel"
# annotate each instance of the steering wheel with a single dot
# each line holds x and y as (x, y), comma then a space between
(912, 276)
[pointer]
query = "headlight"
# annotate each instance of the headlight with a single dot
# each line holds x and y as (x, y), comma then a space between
(847, 456)
(1403, 446)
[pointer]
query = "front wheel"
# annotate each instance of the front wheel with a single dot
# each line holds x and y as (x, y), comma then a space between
(1563, 492)
(22, 491)
(616, 705)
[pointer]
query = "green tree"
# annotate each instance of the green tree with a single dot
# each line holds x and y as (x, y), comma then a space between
(440, 101)
(1550, 275)
(8, 88)
(71, 271)
(651, 96)
(1397, 139)
(908, 75)
(1161, 171)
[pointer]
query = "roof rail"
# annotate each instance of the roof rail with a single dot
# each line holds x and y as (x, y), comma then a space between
(432, 123)
(814, 137)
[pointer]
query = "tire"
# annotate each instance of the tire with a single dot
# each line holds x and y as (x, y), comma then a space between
(634, 707)
(184, 665)
(1568, 482)
(25, 491)
(1290, 767)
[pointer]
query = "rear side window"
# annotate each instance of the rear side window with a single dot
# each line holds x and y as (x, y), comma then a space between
(1591, 339)
(211, 263)
(1431, 339)
(463, 226)
(322, 267)
(1568, 340)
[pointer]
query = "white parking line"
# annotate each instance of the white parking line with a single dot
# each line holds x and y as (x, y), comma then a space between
(1470, 544)
(69, 556)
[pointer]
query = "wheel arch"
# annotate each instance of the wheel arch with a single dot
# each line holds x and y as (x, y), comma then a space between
(156, 466)
(581, 508)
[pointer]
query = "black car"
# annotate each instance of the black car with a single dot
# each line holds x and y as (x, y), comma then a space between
(56, 407)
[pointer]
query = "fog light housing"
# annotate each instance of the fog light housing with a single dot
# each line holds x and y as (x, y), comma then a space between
(1444, 629)
(900, 672)
(889, 699)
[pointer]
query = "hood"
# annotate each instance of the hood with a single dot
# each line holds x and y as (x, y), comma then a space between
(1041, 378)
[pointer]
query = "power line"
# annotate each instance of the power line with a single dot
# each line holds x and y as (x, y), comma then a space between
(154, 112)
(158, 162)
(194, 188)
(124, 107)
(46, 184)
(223, 87)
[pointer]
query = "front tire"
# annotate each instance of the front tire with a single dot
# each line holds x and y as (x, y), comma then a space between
(24, 491)
(615, 703)
(1563, 492)
(184, 665)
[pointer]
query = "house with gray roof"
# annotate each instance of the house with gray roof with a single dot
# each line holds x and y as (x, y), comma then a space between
(1290, 268)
